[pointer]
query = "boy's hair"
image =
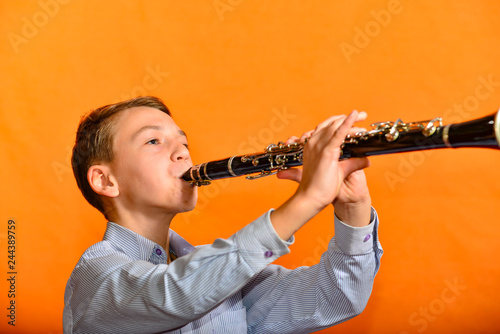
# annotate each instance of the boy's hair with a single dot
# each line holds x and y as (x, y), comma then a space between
(95, 138)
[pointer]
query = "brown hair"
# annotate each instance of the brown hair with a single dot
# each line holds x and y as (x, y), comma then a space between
(94, 142)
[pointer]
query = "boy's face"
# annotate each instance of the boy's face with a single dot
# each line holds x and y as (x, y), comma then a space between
(151, 155)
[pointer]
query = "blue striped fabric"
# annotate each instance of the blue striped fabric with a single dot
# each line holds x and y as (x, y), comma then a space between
(123, 284)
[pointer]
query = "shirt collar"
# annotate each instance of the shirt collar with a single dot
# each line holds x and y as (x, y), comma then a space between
(138, 247)
(179, 245)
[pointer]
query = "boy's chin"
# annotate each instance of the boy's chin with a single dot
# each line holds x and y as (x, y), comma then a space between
(187, 206)
(186, 209)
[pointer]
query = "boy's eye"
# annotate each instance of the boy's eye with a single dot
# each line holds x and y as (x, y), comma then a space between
(153, 142)
(187, 146)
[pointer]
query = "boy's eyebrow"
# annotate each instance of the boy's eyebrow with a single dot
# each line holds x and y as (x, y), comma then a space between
(153, 127)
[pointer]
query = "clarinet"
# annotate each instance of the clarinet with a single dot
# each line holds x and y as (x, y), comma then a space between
(383, 138)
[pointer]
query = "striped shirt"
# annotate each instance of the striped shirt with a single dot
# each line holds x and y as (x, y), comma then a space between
(123, 284)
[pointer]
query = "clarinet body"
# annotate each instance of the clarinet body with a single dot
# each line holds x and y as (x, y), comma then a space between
(383, 138)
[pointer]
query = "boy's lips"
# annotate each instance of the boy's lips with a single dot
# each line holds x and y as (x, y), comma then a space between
(183, 172)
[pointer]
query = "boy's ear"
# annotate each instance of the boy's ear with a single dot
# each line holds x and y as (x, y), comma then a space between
(102, 181)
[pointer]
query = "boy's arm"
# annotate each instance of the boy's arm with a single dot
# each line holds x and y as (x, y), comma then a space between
(307, 299)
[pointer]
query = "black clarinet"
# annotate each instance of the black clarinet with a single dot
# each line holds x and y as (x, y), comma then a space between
(383, 138)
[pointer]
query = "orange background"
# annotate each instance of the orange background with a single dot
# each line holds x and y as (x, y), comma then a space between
(241, 74)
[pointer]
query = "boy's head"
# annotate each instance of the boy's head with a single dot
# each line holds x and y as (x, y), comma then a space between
(129, 156)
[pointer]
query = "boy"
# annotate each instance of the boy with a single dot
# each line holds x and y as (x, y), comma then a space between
(128, 160)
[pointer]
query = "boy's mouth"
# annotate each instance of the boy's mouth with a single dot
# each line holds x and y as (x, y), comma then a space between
(184, 170)
(182, 173)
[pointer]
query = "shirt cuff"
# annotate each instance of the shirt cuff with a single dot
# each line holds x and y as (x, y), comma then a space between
(260, 244)
(356, 240)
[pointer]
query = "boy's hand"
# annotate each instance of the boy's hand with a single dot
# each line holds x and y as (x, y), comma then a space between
(324, 180)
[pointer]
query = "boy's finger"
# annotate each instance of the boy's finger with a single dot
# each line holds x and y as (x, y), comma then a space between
(306, 135)
(362, 115)
(328, 122)
(343, 129)
(351, 165)
(354, 130)
(291, 140)
(293, 174)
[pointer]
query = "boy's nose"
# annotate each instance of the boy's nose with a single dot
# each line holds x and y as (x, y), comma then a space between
(181, 154)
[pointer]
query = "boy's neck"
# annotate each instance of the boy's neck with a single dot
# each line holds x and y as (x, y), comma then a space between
(155, 228)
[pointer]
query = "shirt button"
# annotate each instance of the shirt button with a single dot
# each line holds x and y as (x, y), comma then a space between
(158, 251)
(368, 236)
(268, 253)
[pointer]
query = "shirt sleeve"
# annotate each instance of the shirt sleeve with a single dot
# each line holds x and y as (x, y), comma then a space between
(308, 299)
(108, 288)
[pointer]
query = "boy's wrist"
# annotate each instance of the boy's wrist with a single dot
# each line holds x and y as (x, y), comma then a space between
(354, 214)
(292, 215)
